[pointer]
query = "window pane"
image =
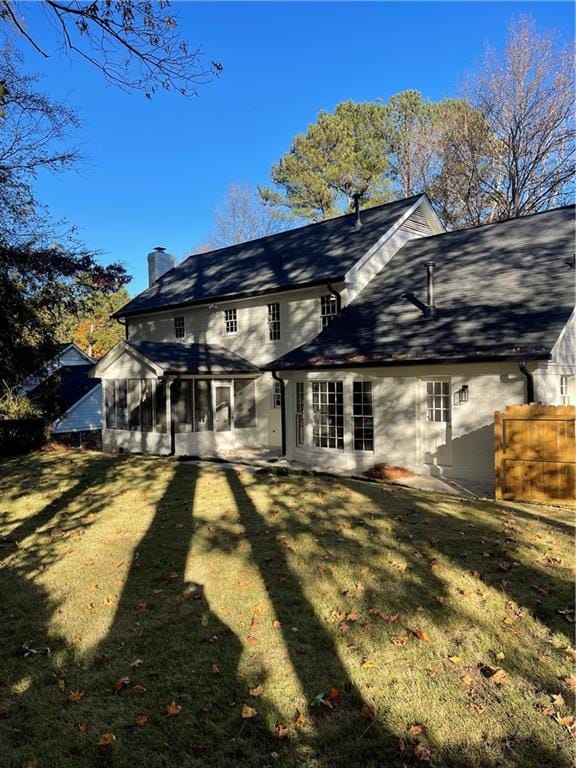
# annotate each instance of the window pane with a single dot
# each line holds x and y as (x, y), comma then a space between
(230, 321)
(273, 322)
(244, 403)
(223, 408)
(328, 414)
(179, 328)
(134, 404)
(160, 406)
(122, 404)
(182, 405)
(110, 404)
(203, 405)
(147, 404)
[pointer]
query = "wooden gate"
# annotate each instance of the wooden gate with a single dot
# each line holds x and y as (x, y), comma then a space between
(536, 453)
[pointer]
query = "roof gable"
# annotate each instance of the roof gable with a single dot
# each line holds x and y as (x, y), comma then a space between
(309, 255)
(502, 290)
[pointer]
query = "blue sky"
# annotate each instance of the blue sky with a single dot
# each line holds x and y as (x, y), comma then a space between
(156, 170)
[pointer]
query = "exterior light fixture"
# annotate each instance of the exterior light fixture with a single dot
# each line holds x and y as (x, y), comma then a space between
(463, 394)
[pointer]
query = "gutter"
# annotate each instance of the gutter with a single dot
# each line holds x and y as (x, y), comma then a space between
(282, 409)
(529, 381)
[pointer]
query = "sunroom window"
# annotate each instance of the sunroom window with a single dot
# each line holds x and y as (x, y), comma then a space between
(328, 414)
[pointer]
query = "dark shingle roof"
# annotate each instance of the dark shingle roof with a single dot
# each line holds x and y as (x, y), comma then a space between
(503, 290)
(176, 357)
(304, 256)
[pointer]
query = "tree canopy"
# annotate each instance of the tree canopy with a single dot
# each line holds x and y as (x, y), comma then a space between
(135, 44)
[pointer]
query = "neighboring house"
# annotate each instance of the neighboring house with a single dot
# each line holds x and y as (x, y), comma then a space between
(349, 342)
(63, 386)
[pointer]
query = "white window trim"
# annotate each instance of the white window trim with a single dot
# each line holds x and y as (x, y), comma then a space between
(269, 322)
(226, 332)
(183, 318)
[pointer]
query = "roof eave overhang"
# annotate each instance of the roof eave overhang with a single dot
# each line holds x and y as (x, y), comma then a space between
(400, 362)
(229, 297)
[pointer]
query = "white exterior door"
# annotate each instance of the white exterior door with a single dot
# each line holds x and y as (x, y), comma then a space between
(436, 422)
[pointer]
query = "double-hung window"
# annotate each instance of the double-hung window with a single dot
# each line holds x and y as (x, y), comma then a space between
(230, 322)
(328, 414)
(179, 328)
(299, 413)
(438, 401)
(274, 322)
(328, 309)
(363, 416)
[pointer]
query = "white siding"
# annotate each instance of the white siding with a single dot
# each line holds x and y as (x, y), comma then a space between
(84, 415)
(399, 396)
(562, 362)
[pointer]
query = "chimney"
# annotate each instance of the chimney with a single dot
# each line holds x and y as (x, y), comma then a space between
(356, 197)
(159, 262)
(430, 285)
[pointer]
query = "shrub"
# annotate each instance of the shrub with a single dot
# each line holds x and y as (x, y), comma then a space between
(19, 436)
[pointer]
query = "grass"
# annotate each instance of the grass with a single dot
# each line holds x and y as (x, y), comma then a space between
(200, 584)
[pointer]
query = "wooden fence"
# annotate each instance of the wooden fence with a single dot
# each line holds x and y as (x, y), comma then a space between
(536, 453)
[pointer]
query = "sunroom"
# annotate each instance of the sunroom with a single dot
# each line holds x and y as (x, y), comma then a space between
(182, 399)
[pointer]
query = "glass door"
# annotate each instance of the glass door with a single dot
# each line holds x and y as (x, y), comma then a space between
(222, 406)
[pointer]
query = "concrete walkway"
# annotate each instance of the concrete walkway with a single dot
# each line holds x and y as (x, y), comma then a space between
(255, 459)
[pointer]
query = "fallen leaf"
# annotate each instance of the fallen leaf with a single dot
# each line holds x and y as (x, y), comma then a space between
(120, 684)
(141, 720)
(173, 709)
(299, 720)
(368, 711)
(248, 712)
(141, 606)
(476, 709)
(276, 624)
(420, 635)
(61, 685)
(82, 727)
(333, 695)
(106, 739)
(367, 664)
(75, 695)
(422, 752)
(547, 710)
(416, 729)
(467, 679)
(256, 691)
(500, 656)
(215, 669)
(455, 659)
(564, 720)
(400, 640)
(352, 616)
(138, 690)
(495, 674)
(136, 663)
(282, 731)
(389, 618)
(570, 682)
(558, 701)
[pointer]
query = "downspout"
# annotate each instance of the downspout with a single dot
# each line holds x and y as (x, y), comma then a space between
(335, 293)
(529, 381)
(118, 320)
(282, 410)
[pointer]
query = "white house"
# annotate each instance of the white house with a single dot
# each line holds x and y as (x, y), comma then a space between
(354, 341)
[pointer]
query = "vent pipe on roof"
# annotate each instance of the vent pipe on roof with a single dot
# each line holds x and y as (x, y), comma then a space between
(159, 262)
(356, 198)
(430, 286)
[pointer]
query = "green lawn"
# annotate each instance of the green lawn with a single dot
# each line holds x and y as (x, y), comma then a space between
(367, 620)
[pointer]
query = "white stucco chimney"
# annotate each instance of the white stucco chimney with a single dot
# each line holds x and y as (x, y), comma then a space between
(159, 262)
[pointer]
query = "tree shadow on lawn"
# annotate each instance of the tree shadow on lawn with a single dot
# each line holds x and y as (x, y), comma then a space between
(494, 558)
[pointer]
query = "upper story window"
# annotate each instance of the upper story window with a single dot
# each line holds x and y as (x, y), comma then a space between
(565, 390)
(179, 328)
(328, 309)
(274, 322)
(230, 322)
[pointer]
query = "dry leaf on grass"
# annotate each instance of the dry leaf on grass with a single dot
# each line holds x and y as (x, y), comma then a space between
(368, 711)
(422, 753)
(400, 640)
(416, 729)
(120, 684)
(282, 731)
(257, 691)
(75, 695)
(299, 720)
(138, 690)
(558, 700)
(455, 659)
(495, 674)
(141, 720)
(136, 663)
(173, 709)
(106, 739)
(420, 635)
(248, 712)
(82, 727)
